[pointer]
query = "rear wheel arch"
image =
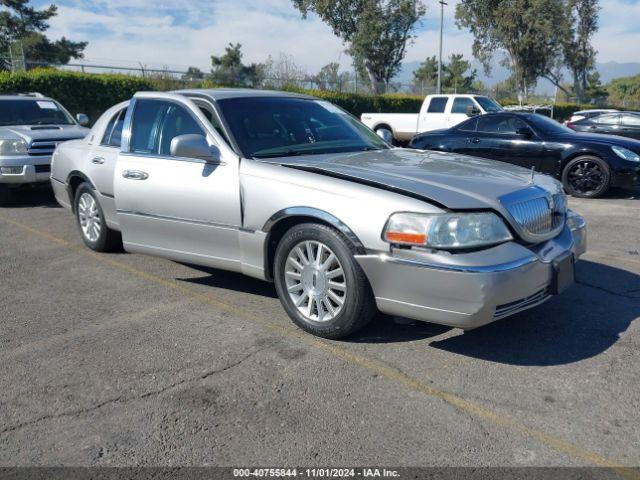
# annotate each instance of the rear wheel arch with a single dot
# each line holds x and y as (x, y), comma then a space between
(284, 220)
(383, 126)
(74, 180)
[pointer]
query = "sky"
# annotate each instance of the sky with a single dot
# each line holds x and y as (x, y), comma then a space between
(179, 33)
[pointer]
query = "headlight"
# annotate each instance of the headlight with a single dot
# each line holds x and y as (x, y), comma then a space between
(13, 147)
(626, 154)
(447, 230)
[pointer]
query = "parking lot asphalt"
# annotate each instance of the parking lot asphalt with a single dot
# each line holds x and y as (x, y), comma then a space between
(124, 359)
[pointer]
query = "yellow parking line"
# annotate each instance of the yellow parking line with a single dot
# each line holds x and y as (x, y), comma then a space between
(381, 369)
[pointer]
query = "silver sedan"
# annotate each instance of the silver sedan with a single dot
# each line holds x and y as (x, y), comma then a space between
(291, 189)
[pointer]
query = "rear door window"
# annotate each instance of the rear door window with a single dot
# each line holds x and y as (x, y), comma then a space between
(438, 105)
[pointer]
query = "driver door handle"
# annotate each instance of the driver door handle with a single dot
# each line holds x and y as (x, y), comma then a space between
(135, 175)
(475, 140)
(98, 160)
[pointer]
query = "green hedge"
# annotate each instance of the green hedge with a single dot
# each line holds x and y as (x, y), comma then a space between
(94, 93)
(78, 92)
(359, 104)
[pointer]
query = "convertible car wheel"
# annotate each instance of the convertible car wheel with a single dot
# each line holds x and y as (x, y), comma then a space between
(586, 177)
(93, 229)
(320, 284)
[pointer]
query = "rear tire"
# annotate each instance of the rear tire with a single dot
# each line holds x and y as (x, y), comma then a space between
(321, 286)
(586, 177)
(91, 222)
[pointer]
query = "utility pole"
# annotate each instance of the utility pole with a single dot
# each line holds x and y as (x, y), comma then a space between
(442, 4)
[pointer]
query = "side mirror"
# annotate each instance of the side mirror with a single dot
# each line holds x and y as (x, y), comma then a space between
(525, 132)
(472, 111)
(194, 146)
(82, 119)
(385, 135)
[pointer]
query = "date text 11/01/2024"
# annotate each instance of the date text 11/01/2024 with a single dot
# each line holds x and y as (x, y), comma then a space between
(316, 472)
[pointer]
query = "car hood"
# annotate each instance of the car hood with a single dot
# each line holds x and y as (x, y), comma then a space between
(601, 139)
(454, 181)
(30, 133)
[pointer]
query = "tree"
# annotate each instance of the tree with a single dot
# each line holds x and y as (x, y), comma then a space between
(454, 74)
(623, 90)
(376, 31)
(330, 78)
(530, 31)
(21, 30)
(579, 54)
(229, 71)
(426, 75)
(283, 72)
(193, 74)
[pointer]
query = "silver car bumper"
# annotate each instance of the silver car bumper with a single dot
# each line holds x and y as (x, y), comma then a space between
(468, 290)
(30, 169)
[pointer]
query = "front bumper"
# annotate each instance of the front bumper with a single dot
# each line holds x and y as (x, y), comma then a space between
(468, 290)
(33, 169)
(626, 178)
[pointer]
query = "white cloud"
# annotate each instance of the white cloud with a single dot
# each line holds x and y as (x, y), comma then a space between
(149, 34)
(179, 33)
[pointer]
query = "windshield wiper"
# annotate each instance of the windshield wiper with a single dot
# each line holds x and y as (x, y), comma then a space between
(286, 153)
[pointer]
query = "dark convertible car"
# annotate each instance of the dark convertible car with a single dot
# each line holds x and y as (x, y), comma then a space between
(587, 164)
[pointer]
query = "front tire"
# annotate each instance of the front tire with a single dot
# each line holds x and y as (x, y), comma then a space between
(91, 222)
(586, 177)
(320, 284)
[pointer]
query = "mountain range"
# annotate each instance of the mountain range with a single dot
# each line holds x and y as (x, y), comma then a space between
(608, 71)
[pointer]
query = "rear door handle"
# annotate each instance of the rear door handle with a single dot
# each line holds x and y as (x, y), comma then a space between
(98, 160)
(475, 140)
(135, 175)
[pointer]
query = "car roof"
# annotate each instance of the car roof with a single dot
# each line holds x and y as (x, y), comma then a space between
(226, 93)
(24, 97)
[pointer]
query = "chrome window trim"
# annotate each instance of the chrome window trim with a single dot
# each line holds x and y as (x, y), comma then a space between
(104, 133)
(174, 159)
(128, 126)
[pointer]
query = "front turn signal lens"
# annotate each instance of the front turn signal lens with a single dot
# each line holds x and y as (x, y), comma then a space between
(406, 238)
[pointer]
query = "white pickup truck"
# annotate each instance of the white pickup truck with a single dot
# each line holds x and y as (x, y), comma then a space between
(437, 112)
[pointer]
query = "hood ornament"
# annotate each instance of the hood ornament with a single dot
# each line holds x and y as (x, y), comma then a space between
(533, 175)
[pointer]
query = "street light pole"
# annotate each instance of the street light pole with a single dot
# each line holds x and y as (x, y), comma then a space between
(442, 4)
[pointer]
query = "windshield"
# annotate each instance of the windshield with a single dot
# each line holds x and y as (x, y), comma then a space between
(267, 127)
(547, 126)
(33, 112)
(489, 105)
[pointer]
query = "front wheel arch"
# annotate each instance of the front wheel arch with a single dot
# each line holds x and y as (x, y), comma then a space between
(281, 222)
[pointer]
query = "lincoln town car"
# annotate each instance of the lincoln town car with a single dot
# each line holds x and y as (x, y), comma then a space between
(293, 190)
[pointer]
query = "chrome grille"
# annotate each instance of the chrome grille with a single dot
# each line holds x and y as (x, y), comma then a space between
(540, 216)
(45, 147)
